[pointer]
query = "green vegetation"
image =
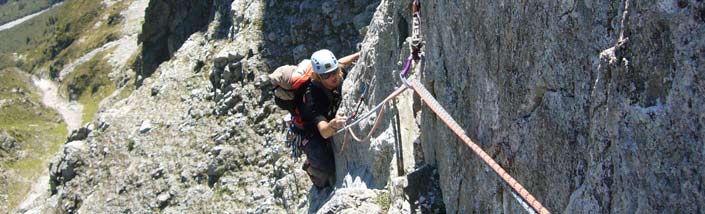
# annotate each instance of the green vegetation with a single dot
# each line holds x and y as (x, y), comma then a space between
(27, 36)
(89, 84)
(130, 145)
(76, 35)
(50, 42)
(40, 148)
(33, 125)
(384, 201)
(22, 106)
(17, 9)
(66, 43)
(61, 35)
(46, 43)
(75, 29)
(6, 60)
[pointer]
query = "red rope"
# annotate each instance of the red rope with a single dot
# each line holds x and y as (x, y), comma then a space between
(518, 188)
(377, 120)
(374, 127)
(455, 127)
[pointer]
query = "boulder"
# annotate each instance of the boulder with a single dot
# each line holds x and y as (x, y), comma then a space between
(225, 57)
(145, 127)
(354, 200)
(79, 134)
(103, 124)
(65, 167)
(163, 199)
(7, 142)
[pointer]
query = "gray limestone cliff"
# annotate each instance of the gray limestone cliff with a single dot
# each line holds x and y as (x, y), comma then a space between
(166, 26)
(593, 106)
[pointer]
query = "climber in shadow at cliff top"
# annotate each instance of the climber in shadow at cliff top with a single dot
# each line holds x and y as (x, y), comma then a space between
(318, 108)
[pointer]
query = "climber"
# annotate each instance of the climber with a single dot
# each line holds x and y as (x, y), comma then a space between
(318, 108)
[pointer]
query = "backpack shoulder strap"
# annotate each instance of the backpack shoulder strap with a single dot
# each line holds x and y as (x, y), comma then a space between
(302, 74)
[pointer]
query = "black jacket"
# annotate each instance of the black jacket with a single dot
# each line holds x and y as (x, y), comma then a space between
(319, 104)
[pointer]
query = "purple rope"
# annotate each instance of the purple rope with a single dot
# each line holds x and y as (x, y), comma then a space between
(407, 67)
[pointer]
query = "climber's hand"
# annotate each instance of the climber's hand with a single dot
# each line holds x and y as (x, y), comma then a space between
(339, 121)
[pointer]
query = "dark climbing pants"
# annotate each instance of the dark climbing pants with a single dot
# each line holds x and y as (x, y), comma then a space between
(320, 164)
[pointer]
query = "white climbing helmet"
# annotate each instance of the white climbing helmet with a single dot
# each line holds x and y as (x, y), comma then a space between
(323, 61)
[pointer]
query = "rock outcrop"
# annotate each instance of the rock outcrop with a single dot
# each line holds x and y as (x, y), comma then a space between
(166, 26)
(591, 105)
(584, 103)
(68, 166)
(7, 144)
(363, 201)
(80, 133)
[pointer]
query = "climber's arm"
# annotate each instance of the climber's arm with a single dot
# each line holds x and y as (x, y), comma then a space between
(347, 60)
(328, 128)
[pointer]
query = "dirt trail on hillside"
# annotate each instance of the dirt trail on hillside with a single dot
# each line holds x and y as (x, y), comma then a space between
(24, 19)
(71, 112)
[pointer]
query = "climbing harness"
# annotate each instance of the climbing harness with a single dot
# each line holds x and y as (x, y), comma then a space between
(295, 138)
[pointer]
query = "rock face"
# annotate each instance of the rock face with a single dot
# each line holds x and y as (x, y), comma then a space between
(293, 30)
(166, 26)
(66, 168)
(591, 105)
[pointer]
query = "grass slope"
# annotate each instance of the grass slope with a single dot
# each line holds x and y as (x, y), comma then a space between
(37, 129)
(29, 35)
(15, 9)
(44, 44)
(48, 43)
(89, 84)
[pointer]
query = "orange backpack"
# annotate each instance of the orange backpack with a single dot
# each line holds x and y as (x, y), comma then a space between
(287, 80)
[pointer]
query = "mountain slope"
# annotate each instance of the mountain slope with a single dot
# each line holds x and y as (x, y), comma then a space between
(13, 10)
(200, 133)
(30, 133)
